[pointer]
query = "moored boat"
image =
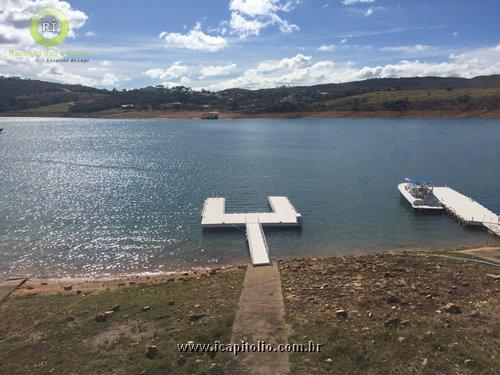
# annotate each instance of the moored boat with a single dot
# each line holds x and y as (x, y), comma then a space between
(210, 116)
(420, 194)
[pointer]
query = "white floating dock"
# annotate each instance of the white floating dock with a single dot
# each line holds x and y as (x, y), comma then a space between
(283, 214)
(467, 210)
(259, 252)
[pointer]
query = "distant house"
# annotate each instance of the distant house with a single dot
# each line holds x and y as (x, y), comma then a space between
(71, 104)
(127, 106)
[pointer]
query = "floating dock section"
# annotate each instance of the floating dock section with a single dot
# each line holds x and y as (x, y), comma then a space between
(283, 214)
(467, 210)
(259, 251)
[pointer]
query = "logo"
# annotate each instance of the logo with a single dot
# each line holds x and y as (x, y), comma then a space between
(49, 27)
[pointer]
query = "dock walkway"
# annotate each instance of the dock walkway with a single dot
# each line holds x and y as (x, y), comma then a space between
(467, 210)
(283, 214)
(259, 251)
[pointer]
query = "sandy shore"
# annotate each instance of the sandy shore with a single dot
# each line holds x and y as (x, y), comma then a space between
(284, 115)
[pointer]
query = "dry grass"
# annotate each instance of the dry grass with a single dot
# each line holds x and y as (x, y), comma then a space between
(72, 342)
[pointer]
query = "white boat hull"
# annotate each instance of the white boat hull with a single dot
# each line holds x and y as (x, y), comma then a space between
(416, 203)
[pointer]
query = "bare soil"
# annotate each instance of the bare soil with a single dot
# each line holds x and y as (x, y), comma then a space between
(393, 313)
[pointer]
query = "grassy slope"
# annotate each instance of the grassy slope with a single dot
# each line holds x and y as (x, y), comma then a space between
(85, 346)
(60, 107)
(418, 99)
(431, 342)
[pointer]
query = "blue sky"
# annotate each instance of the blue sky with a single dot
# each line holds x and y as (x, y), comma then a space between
(258, 43)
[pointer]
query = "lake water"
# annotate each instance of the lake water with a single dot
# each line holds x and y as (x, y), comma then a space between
(98, 197)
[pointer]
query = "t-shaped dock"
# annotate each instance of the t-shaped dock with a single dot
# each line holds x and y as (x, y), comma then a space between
(284, 214)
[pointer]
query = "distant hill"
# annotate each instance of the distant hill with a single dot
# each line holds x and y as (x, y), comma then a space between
(18, 94)
(15, 87)
(394, 94)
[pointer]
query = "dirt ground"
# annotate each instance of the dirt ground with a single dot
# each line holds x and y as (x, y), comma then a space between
(393, 313)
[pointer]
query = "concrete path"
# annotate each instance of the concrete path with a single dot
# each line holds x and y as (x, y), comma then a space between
(8, 286)
(260, 316)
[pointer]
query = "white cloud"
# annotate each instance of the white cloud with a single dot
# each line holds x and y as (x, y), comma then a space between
(111, 79)
(352, 2)
(369, 11)
(89, 34)
(343, 41)
(414, 49)
(249, 17)
(253, 8)
(288, 63)
(102, 67)
(300, 70)
(185, 81)
(57, 73)
(245, 27)
(216, 70)
(455, 33)
(16, 14)
(176, 70)
(326, 47)
(195, 39)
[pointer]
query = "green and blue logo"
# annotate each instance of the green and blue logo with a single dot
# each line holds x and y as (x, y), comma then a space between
(49, 27)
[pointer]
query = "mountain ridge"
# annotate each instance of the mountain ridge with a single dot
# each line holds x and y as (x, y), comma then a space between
(376, 94)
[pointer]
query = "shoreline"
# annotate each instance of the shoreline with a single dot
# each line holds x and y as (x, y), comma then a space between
(392, 311)
(51, 285)
(81, 285)
(230, 115)
(234, 263)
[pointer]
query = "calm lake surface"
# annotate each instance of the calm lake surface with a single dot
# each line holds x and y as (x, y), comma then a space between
(98, 197)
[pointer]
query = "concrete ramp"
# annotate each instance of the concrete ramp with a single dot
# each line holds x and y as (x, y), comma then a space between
(261, 318)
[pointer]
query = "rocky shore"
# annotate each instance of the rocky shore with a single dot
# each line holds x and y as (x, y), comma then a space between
(393, 313)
